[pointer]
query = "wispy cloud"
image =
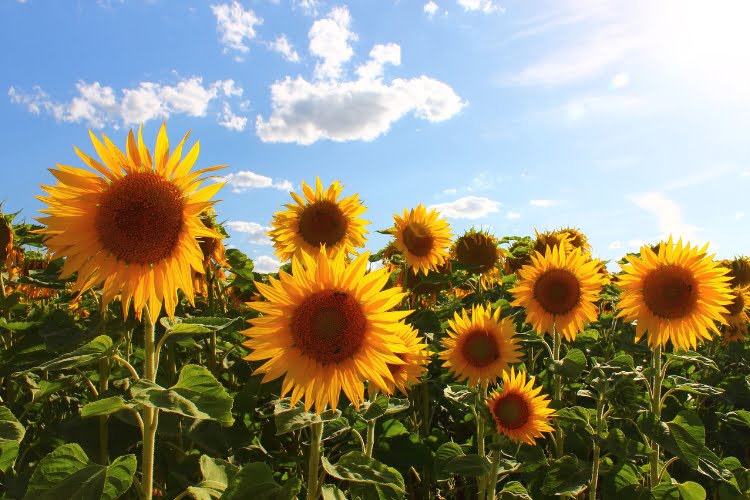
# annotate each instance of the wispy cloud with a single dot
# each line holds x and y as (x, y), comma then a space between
(236, 26)
(667, 213)
(511, 215)
(484, 6)
(468, 207)
(257, 234)
(229, 120)
(283, 46)
(430, 8)
(266, 264)
(245, 180)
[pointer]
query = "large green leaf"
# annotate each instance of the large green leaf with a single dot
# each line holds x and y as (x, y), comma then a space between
(359, 468)
(292, 419)
(105, 406)
(255, 480)
(196, 394)
(330, 492)
(11, 435)
(68, 473)
(447, 452)
(571, 366)
(566, 475)
(216, 475)
(92, 352)
(513, 490)
(468, 465)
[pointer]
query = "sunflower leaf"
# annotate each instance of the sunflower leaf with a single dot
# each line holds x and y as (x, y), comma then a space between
(99, 348)
(359, 468)
(11, 435)
(105, 406)
(292, 419)
(468, 465)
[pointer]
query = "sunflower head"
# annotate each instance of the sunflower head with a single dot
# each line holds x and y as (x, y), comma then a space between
(327, 327)
(518, 255)
(551, 239)
(6, 238)
(319, 218)
(519, 411)
(559, 290)
(575, 238)
(734, 332)
(131, 223)
(477, 250)
(675, 294)
(414, 361)
(739, 271)
(480, 345)
(423, 238)
(212, 248)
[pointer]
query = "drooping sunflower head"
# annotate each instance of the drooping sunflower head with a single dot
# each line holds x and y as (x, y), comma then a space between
(575, 238)
(739, 271)
(133, 225)
(212, 248)
(480, 345)
(414, 361)
(559, 289)
(675, 294)
(734, 332)
(479, 251)
(518, 255)
(737, 310)
(423, 237)
(319, 218)
(6, 238)
(551, 239)
(327, 327)
(519, 412)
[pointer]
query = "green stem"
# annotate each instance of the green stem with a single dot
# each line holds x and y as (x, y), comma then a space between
(313, 462)
(373, 395)
(492, 478)
(599, 427)
(150, 414)
(104, 368)
(482, 480)
(656, 410)
(557, 396)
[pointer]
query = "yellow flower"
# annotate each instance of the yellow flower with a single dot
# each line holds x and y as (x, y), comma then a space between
(319, 218)
(328, 326)
(559, 288)
(133, 224)
(739, 271)
(415, 358)
(481, 347)
(737, 310)
(478, 250)
(675, 295)
(519, 412)
(423, 238)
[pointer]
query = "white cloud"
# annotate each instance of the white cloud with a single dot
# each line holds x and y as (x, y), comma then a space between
(245, 180)
(380, 55)
(620, 80)
(543, 203)
(431, 8)
(266, 264)
(329, 40)
(309, 7)
(450, 191)
(486, 6)
(739, 215)
(257, 234)
(98, 106)
(468, 207)
(235, 24)
(231, 121)
(616, 245)
(283, 46)
(513, 215)
(667, 213)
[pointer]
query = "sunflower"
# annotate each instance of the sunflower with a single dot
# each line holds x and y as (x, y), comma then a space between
(415, 359)
(478, 250)
(133, 225)
(558, 290)
(319, 218)
(674, 295)
(518, 255)
(551, 239)
(481, 347)
(518, 411)
(575, 238)
(739, 271)
(327, 327)
(737, 310)
(734, 333)
(212, 248)
(6, 238)
(423, 238)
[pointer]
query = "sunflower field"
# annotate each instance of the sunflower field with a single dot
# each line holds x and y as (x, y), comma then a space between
(140, 358)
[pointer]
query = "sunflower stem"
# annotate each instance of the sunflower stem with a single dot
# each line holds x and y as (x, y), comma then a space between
(482, 480)
(656, 411)
(597, 450)
(373, 395)
(313, 462)
(104, 369)
(492, 478)
(150, 414)
(559, 436)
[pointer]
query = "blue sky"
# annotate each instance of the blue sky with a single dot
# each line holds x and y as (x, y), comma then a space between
(628, 120)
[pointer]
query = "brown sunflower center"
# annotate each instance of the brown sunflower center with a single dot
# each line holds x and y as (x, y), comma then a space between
(479, 252)
(480, 348)
(737, 305)
(322, 222)
(329, 326)
(140, 218)
(418, 239)
(5, 238)
(557, 291)
(397, 369)
(511, 411)
(670, 292)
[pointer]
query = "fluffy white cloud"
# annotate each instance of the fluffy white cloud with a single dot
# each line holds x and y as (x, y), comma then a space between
(329, 40)
(266, 264)
(235, 25)
(512, 215)
(98, 106)
(542, 203)
(309, 7)
(468, 207)
(283, 46)
(431, 8)
(229, 120)
(668, 215)
(486, 6)
(257, 234)
(245, 180)
(380, 55)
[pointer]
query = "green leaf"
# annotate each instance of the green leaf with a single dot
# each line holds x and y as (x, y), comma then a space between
(576, 415)
(330, 492)
(359, 468)
(468, 465)
(292, 419)
(11, 435)
(197, 394)
(692, 357)
(68, 473)
(255, 480)
(188, 329)
(445, 454)
(375, 409)
(336, 427)
(565, 475)
(18, 326)
(393, 428)
(686, 385)
(105, 406)
(8, 454)
(513, 490)
(100, 347)
(216, 475)
(738, 417)
(359, 491)
(571, 366)
(691, 491)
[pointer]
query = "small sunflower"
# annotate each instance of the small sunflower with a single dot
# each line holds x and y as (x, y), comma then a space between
(518, 255)
(737, 310)
(480, 346)
(674, 295)
(575, 238)
(328, 326)
(415, 359)
(479, 251)
(734, 332)
(319, 218)
(423, 237)
(519, 412)
(559, 289)
(212, 248)
(133, 225)
(739, 271)
(6, 238)
(552, 239)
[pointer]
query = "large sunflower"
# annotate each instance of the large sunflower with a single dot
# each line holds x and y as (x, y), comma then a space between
(415, 359)
(559, 289)
(479, 251)
(132, 225)
(674, 295)
(423, 237)
(319, 218)
(480, 347)
(519, 412)
(327, 327)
